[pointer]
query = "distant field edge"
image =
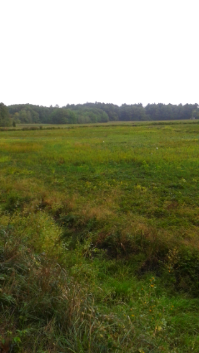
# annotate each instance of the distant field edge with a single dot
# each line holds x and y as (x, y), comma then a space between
(108, 124)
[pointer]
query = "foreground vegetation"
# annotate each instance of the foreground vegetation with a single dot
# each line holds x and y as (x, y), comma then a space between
(99, 239)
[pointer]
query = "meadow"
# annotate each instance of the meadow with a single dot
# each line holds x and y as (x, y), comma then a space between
(99, 238)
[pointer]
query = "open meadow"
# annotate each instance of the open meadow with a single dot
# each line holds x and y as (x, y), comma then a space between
(99, 239)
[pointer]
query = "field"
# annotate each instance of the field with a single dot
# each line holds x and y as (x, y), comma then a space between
(99, 239)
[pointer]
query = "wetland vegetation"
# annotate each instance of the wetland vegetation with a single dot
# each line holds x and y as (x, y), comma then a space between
(99, 239)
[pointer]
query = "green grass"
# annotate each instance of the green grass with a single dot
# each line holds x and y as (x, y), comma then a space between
(99, 238)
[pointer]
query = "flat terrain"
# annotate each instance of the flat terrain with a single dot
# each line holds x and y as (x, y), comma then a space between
(99, 238)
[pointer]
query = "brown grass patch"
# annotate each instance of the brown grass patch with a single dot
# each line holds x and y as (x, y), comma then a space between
(97, 212)
(20, 147)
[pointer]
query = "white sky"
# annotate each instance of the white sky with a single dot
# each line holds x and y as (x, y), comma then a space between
(112, 51)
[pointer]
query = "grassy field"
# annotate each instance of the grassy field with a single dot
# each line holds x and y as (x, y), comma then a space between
(107, 124)
(99, 239)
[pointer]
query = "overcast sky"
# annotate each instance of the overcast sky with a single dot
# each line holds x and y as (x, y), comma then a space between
(111, 51)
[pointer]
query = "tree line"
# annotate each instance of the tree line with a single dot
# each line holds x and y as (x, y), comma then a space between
(93, 113)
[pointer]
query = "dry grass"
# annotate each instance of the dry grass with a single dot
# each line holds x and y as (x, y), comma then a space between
(20, 147)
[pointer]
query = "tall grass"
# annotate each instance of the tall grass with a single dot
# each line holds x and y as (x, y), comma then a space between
(99, 239)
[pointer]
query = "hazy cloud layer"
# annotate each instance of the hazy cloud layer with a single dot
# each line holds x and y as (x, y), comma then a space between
(130, 51)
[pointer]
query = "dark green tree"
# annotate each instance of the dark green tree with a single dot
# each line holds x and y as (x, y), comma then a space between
(4, 116)
(63, 116)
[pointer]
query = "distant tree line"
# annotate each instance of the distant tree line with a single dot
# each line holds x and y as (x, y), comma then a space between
(94, 113)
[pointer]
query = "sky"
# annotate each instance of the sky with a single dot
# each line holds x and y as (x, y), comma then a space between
(112, 51)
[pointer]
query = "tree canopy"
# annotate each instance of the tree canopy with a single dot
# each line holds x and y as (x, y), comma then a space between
(4, 116)
(95, 113)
